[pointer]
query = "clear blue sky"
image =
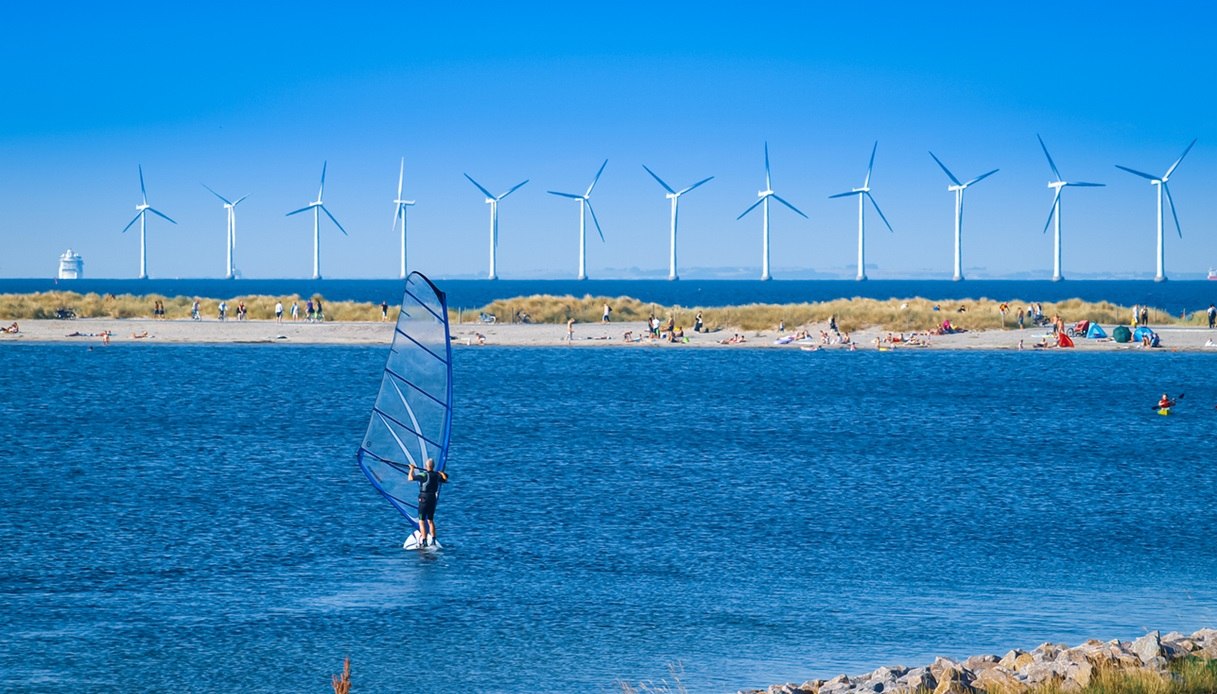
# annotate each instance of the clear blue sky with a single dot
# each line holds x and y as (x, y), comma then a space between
(252, 100)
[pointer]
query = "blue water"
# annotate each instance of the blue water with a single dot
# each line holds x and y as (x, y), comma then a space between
(191, 517)
(1173, 296)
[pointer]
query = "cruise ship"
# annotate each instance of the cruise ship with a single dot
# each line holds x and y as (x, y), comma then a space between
(71, 266)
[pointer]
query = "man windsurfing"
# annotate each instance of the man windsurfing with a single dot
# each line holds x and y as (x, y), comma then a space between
(428, 493)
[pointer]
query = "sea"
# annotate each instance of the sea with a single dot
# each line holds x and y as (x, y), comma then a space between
(1174, 296)
(192, 518)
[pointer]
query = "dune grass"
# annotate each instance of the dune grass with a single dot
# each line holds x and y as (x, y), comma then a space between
(1189, 675)
(904, 315)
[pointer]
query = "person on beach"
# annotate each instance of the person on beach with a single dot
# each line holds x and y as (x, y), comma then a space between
(1212, 315)
(698, 326)
(194, 311)
(12, 329)
(223, 310)
(384, 311)
(1144, 315)
(1021, 316)
(570, 330)
(428, 493)
(608, 310)
(278, 311)
(320, 311)
(309, 311)
(295, 311)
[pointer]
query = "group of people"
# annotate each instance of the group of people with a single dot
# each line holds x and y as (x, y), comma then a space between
(12, 329)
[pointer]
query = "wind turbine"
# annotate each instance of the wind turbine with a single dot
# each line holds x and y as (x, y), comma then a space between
(231, 208)
(959, 188)
(399, 212)
(674, 196)
(317, 206)
(585, 206)
(142, 217)
(1055, 212)
(493, 201)
(1160, 181)
(863, 194)
(764, 196)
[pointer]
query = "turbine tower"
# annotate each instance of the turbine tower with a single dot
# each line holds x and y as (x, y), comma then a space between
(959, 188)
(585, 206)
(231, 208)
(493, 201)
(317, 206)
(1160, 181)
(142, 217)
(399, 212)
(1055, 212)
(674, 196)
(864, 194)
(764, 196)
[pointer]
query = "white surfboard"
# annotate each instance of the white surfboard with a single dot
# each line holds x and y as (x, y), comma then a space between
(414, 542)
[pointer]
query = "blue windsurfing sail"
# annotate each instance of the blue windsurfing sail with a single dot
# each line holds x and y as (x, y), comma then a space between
(412, 418)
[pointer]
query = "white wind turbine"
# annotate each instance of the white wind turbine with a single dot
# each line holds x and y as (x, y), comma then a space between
(493, 201)
(1160, 181)
(959, 188)
(317, 206)
(141, 216)
(764, 196)
(674, 196)
(585, 206)
(864, 194)
(399, 212)
(1055, 212)
(231, 208)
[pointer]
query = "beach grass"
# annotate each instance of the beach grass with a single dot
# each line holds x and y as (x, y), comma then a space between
(899, 315)
(1189, 675)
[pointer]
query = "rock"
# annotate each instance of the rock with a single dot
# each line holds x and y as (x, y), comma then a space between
(917, 680)
(1047, 651)
(1148, 647)
(890, 672)
(1158, 664)
(1080, 674)
(999, 679)
(977, 663)
(1041, 673)
(811, 686)
(940, 665)
(954, 680)
(1016, 660)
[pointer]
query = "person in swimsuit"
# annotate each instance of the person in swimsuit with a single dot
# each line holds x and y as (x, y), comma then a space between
(428, 493)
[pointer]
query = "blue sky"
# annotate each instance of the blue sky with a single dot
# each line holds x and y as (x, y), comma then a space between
(252, 100)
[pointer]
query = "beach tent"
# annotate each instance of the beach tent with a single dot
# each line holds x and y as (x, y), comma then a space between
(1141, 332)
(1121, 333)
(1096, 332)
(1063, 340)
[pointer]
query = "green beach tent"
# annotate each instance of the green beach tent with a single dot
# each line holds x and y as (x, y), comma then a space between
(1122, 334)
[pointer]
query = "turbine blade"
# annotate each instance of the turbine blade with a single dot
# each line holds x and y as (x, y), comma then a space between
(238, 202)
(1171, 200)
(1081, 184)
(479, 186)
(597, 221)
(981, 177)
(160, 214)
(750, 208)
(401, 177)
(397, 214)
(565, 195)
(1056, 200)
(871, 165)
(321, 190)
(779, 199)
(1134, 172)
(133, 221)
(597, 178)
(661, 182)
(1171, 170)
(226, 200)
(881, 215)
(143, 191)
(945, 169)
(844, 195)
(332, 219)
(768, 183)
(1050, 162)
(302, 209)
(704, 180)
(517, 187)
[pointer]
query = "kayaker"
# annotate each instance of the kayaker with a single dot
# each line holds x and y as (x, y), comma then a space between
(1165, 403)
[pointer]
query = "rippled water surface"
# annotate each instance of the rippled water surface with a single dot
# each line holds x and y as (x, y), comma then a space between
(192, 517)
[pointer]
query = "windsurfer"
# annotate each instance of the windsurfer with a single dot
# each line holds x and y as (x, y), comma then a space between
(428, 493)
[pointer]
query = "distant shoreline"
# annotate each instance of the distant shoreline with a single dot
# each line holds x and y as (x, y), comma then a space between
(88, 331)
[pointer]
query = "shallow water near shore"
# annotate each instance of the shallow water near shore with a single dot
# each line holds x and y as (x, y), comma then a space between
(191, 517)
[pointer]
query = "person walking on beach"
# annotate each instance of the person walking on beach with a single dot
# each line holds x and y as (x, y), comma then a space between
(428, 494)
(194, 311)
(278, 311)
(223, 310)
(384, 311)
(608, 310)
(1021, 316)
(295, 311)
(320, 311)
(1212, 316)
(570, 330)
(309, 311)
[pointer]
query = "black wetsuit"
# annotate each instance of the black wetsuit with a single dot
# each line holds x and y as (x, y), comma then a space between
(428, 491)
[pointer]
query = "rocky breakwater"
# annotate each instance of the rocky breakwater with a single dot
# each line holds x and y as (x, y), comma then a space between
(1019, 671)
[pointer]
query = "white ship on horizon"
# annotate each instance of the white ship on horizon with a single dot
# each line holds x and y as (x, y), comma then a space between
(71, 265)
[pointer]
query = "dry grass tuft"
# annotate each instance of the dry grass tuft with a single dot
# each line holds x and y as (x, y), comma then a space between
(342, 684)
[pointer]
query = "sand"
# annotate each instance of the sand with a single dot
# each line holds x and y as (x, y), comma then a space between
(532, 335)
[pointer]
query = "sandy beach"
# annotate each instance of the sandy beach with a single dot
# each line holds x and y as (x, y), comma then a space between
(146, 331)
